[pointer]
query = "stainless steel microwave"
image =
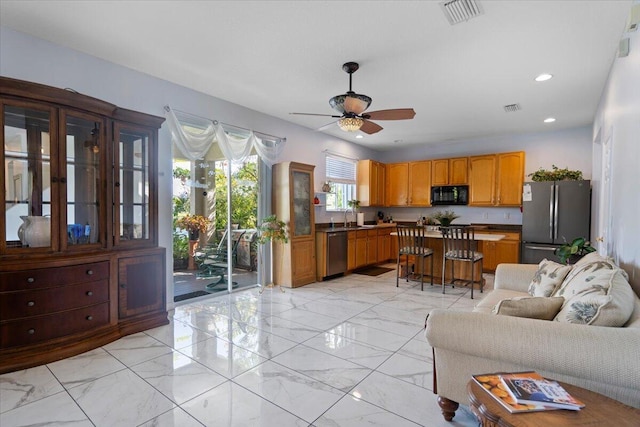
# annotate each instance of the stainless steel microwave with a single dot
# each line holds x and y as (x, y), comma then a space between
(450, 195)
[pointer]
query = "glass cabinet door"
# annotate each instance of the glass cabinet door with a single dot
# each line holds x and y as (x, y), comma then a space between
(301, 181)
(29, 176)
(132, 185)
(83, 151)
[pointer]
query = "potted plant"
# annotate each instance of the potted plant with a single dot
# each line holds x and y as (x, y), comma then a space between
(270, 230)
(575, 250)
(354, 205)
(180, 251)
(194, 224)
(556, 174)
(445, 218)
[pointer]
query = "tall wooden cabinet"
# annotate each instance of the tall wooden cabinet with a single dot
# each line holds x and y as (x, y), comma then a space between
(294, 262)
(80, 265)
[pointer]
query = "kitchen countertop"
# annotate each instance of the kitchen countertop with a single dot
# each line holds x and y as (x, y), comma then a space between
(320, 229)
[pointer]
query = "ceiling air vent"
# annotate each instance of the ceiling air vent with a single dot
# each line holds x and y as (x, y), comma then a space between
(512, 108)
(458, 11)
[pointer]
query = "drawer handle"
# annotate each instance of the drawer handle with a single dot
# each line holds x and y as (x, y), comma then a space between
(31, 280)
(90, 272)
(31, 331)
(89, 317)
(89, 293)
(31, 303)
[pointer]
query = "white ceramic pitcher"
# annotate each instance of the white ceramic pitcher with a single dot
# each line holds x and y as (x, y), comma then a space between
(35, 231)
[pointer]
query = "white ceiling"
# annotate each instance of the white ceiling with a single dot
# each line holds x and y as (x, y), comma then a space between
(279, 57)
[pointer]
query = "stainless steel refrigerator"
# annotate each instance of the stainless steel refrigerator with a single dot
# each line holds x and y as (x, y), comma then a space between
(553, 212)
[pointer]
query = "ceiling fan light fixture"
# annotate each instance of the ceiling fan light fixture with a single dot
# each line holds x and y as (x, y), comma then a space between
(350, 124)
(350, 103)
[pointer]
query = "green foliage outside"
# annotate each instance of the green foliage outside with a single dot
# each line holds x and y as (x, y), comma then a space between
(244, 197)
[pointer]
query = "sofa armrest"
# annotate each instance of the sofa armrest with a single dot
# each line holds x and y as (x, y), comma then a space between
(516, 277)
(600, 354)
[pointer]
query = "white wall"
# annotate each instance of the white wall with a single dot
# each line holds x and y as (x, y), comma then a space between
(28, 58)
(618, 119)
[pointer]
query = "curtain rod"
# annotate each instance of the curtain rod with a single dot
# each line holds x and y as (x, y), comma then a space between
(215, 122)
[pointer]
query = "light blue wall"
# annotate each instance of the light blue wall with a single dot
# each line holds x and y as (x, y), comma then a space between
(28, 58)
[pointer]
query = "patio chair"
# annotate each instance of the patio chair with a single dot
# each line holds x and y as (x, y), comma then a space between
(213, 260)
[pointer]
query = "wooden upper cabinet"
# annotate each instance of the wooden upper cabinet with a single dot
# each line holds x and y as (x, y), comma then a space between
(440, 172)
(397, 193)
(449, 171)
(496, 179)
(510, 175)
(482, 176)
(458, 171)
(409, 184)
(371, 183)
(420, 183)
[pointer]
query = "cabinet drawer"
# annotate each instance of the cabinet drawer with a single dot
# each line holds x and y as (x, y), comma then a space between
(15, 305)
(42, 328)
(361, 234)
(50, 277)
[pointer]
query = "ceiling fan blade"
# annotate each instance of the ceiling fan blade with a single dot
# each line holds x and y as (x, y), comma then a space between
(314, 114)
(370, 128)
(395, 114)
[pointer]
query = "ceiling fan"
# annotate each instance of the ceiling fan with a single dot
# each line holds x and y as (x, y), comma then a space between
(352, 105)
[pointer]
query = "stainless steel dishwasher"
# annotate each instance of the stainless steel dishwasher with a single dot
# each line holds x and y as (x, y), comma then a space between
(336, 252)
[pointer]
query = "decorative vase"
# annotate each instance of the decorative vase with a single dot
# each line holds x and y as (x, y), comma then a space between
(326, 187)
(445, 222)
(35, 231)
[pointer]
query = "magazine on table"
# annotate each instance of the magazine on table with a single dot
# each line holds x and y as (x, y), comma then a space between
(493, 385)
(532, 388)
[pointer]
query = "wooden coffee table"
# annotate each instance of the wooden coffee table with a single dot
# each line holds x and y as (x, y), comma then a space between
(599, 410)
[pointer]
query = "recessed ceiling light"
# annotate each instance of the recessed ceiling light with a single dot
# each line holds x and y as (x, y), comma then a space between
(359, 136)
(544, 77)
(549, 120)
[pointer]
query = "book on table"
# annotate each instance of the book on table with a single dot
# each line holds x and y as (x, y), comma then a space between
(532, 388)
(493, 385)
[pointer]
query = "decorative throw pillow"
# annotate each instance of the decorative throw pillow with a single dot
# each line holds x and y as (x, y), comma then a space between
(533, 308)
(597, 295)
(548, 277)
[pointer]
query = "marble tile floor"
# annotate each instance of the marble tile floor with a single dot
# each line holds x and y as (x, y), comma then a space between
(346, 352)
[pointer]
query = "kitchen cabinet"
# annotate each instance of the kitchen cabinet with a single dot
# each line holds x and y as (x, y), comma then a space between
(506, 250)
(409, 184)
(496, 179)
(449, 171)
(351, 250)
(294, 262)
(384, 244)
(361, 248)
(79, 218)
(397, 188)
(371, 183)
(372, 246)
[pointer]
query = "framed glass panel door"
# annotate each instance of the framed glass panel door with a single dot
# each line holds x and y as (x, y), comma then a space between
(27, 176)
(84, 151)
(133, 195)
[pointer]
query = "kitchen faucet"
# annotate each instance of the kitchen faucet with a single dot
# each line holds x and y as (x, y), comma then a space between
(345, 217)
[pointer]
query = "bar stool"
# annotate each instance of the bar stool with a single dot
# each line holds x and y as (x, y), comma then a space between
(459, 244)
(411, 242)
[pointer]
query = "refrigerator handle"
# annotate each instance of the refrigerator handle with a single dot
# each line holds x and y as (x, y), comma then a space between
(551, 204)
(555, 213)
(541, 248)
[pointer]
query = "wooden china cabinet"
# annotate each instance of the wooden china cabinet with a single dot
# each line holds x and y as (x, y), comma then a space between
(80, 264)
(294, 262)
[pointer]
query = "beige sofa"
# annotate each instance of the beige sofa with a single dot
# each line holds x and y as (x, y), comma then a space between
(599, 358)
